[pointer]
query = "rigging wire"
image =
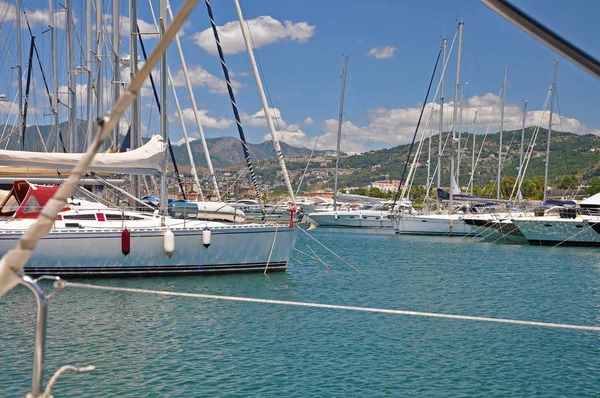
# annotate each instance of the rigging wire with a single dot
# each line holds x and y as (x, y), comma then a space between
(416, 129)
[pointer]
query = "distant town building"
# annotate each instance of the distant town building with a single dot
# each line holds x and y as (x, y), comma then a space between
(386, 185)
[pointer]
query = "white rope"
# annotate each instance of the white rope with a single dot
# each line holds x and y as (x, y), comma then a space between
(272, 247)
(331, 251)
(334, 307)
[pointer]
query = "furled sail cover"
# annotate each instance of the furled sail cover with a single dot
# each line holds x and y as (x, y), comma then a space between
(143, 160)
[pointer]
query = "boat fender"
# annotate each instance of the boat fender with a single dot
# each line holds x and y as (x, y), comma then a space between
(206, 237)
(292, 211)
(169, 243)
(336, 216)
(125, 241)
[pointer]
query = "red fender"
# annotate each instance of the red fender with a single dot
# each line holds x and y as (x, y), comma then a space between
(125, 241)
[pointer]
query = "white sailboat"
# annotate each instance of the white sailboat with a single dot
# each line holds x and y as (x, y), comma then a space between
(450, 223)
(93, 239)
(372, 215)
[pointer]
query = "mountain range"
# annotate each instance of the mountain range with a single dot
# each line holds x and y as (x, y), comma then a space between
(570, 154)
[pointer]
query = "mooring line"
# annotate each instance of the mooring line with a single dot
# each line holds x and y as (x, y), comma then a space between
(63, 284)
(329, 267)
(331, 251)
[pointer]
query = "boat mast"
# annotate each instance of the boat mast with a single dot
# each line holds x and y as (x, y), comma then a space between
(135, 138)
(19, 61)
(460, 127)
(263, 99)
(454, 114)
(89, 55)
(211, 170)
(51, 25)
(116, 48)
(522, 143)
(439, 159)
(99, 61)
(72, 103)
(178, 108)
(501, 132)
(27, 87)
(550, 128)
(164, 126)
(339, 134)
(234, 106)
(473, 154)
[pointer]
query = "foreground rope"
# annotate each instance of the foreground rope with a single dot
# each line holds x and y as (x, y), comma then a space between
(63, 284)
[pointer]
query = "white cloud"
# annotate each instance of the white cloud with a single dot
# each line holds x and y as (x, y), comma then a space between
(390, 127)
(35, 17)
(382, 52)
(182, 140)
(199, 77)
(147, 29)
(308, 120)
(205, 119)
(7, 107)
(265, 30)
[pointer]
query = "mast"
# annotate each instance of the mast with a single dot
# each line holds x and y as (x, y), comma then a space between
(265, 105)
(211, 170)
(460, 127)
(501, 131)
(454, 114)
(178, 107)
(89, 55)
(550, 128)
(522, 140)
(428, 168)
(99, 61)
(439, 159)
(116, 48)
(234, 106)
(51, 25)
(339, 134)
(71, 77)
(164, 126)
(26, 105)
(135, 138)
(19, 61)
(473, 154)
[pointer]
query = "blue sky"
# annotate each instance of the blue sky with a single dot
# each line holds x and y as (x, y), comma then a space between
(302, 59)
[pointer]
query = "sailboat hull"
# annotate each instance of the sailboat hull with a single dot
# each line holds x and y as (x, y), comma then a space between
(89, 253)
(353, 219)
(438, 225)
(551, 231)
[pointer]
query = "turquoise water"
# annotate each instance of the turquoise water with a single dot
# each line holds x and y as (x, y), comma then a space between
(146, 345)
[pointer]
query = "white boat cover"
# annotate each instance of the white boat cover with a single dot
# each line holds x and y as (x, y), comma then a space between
(143, 160)
(593, 200)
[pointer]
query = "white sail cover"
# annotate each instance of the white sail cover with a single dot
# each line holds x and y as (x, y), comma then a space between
(593, 200)
(143, 160)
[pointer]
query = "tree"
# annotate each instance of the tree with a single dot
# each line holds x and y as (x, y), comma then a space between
(568, 182)
(594, 187)
(529, 189)
(506, 186)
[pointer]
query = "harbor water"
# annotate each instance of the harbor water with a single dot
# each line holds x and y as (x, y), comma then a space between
(145, 345)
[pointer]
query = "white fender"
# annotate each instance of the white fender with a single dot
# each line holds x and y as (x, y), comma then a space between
(169, 242)
(206, 236)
